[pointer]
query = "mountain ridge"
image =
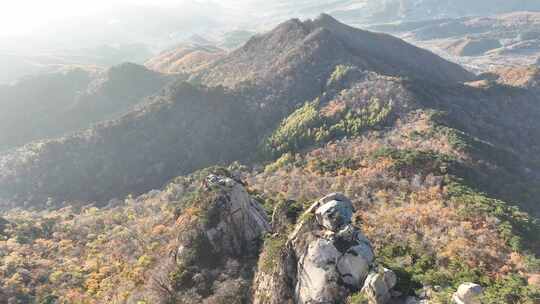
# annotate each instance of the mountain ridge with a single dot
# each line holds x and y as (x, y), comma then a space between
(278, 87)
(56, 104)
(344, 39)
(280, 82)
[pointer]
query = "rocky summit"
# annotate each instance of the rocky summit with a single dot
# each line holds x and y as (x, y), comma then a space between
(242, 221)
(326, 258)
(340, 254)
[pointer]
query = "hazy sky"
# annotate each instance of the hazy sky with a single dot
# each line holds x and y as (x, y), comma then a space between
(25, 16)
(35, 17)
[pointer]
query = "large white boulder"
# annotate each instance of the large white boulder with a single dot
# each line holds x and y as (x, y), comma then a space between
(468, 293)
(335, 211)
(317, 278)
(378, 285)
(353, 266)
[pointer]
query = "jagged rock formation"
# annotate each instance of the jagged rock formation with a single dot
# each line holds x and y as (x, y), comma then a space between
(324, 260)
(468, 293)
(216, 248)
(378, 286)
(242, 221)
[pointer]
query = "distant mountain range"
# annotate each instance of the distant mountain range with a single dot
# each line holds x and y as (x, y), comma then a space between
(364, 12)
(480, 43)
(128, 38)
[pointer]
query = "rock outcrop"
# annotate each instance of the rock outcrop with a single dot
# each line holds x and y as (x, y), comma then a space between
(214, 255)
(325, 259)
(241, 220)
(377, 286)
(468, 293)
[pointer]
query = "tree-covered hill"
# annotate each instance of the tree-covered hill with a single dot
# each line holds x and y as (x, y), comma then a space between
(55, 104)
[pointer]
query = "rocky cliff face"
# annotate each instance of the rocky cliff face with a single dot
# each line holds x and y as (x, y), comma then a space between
(215, 251)
(327, 259)
(324, 260)
(242, 221)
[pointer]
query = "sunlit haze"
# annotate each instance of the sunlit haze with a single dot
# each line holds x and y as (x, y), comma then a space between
(27, 16)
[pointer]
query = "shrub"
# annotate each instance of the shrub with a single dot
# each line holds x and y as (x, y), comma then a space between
(272, 250)
(307, 127)
(511, 289)
(357, 298)
(330, 166)
(281, 162)
(339, 73)
(49, 299)
(407, 162)
(515, 227)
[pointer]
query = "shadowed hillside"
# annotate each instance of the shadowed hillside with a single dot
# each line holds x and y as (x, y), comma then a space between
(182, 130)
(52, 105)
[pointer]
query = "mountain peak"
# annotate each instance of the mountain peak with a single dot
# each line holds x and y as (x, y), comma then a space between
(321, 21)
(309, 25)
(325, 16)
(325, 20)
(320, 44)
